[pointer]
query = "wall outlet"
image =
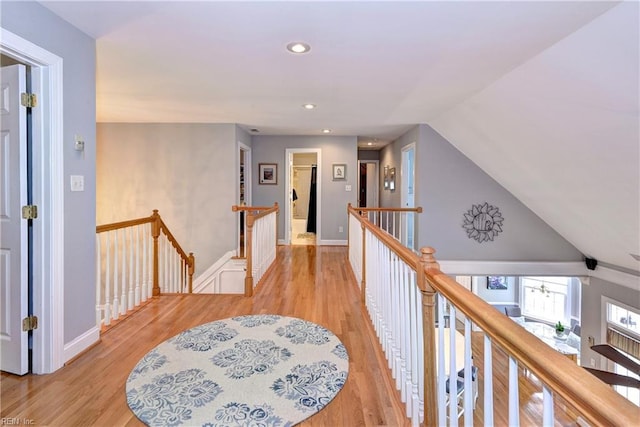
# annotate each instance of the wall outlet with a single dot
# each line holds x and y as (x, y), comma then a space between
(340, 229)
(592, 362)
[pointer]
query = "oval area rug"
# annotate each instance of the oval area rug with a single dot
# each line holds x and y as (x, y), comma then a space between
(257, 370)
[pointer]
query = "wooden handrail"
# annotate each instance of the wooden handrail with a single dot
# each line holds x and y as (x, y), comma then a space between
(157, 226)
(252, 217)
(416, 210)
(596, 401)
(236, 208)
(124, 224)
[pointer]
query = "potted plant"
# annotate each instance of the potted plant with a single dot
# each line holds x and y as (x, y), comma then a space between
(559, 329)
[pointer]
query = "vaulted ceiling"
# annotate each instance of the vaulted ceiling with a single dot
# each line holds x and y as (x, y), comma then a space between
(542, 95)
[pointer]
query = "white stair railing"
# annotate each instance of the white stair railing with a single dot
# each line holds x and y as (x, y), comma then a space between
(403, 292)
(398, 222)
(261, 237)
(356, 234)
(135, 260)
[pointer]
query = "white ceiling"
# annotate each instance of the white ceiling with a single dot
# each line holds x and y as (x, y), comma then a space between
(542, 95)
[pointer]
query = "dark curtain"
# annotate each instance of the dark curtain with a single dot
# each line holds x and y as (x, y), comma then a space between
(311, 215)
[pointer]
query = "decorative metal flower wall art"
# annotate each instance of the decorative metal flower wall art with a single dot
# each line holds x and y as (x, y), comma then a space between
(483, 222)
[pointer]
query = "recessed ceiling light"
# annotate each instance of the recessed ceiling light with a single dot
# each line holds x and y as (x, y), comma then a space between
(369, 143)
(309, 106)
(298, 47)
(326, 130)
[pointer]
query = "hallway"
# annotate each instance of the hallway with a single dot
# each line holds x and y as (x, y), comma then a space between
(310, 282)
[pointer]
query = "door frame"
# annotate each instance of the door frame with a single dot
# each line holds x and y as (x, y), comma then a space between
(48, 195)
(247, 172)
(376, 190)
(405, 200)
(288, 195)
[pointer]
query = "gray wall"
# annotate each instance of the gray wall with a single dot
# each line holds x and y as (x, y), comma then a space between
(334, 198)
(593, 315)
(391, 157)
(189, 172)
(448, 184)
(37, 24)
(497, 296)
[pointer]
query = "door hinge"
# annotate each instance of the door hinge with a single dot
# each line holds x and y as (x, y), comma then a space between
(29, 100)
(29, 212)
(29, 323)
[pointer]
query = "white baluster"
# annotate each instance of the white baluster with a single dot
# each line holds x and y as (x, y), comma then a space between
(107, 280)
(145, 264)
(131, 297)
(176, 273)
(548, 418)
(138, 258)
(468, 375)
(419, 350)
(123, 273)
(514, 405)
(441, 377)
(98, 281)
(453, 373)
(488, 381)
(116, 277)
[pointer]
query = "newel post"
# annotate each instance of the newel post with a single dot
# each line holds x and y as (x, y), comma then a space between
(427, 261)
(155, 233)
(192, 269)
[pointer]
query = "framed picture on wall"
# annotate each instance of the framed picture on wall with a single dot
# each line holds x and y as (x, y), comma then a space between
(268, 173)
(339, 171)
(496, 282)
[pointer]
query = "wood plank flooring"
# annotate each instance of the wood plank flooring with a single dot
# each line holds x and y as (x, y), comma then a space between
(314, 283)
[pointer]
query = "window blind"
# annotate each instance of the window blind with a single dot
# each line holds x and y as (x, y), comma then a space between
(623, 342)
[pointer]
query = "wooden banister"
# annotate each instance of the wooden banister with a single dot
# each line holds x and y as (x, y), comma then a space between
(253, 215)
(429, 338)
(237, 208)
(416, 210)
(157, 226)
(596, 402)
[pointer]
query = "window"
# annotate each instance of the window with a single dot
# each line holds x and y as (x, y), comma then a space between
(546, 298)
(623, 332)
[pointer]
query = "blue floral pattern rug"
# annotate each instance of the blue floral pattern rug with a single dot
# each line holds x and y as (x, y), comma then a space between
(259, 370)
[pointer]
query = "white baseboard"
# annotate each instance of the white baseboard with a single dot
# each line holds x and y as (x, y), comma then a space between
(81, 343)
(204, 279)
(333, 243)
(323, 242)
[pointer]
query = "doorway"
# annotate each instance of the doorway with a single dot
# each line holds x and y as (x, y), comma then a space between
(303, 186)
(368, 183)
(244, 192)
(408, 194)
(47, 256)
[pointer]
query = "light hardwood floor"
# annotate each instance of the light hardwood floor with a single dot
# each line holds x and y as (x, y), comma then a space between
(314, 283)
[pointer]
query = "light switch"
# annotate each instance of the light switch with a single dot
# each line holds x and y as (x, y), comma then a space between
(77, 182)
(347, 187)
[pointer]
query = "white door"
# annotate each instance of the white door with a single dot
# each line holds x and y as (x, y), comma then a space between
(13, 231)
(408, 194)
(301, 185)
